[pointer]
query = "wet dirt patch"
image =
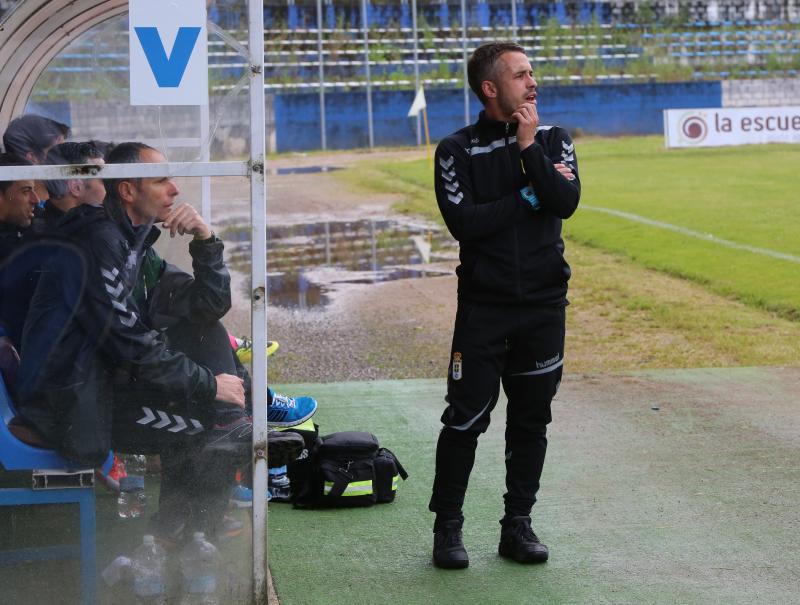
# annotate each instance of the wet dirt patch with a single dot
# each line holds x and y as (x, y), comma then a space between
(309, 262)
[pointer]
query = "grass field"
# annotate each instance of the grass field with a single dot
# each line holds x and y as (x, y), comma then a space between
(722, 219)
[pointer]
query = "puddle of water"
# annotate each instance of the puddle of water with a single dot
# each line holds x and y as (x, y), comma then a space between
(308, 261)
(302, 170)
(294, 291)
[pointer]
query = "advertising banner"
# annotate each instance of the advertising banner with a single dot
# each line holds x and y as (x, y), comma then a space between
(168, 52)
(713, 127)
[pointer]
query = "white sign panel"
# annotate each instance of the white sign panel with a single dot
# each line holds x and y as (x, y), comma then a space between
(168, 52)
(731, 126)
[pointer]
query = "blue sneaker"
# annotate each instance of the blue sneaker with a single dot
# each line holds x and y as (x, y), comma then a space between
(241, 497)
(278, 490)
(283, 411)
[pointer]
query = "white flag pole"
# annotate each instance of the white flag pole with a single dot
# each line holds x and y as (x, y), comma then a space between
(420, 105)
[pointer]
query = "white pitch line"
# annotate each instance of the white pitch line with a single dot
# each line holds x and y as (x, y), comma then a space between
(703, 236)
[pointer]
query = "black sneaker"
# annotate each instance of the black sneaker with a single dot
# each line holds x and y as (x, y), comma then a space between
(448, 547)
(283, 447)
(519, 543)
(235, 439)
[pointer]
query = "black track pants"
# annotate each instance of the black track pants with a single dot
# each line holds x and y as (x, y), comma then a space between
(195, 486)
(522, 349)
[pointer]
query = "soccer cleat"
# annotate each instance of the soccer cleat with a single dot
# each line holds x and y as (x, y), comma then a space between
(244, 348)
(283, 411)
(519, 543)
(448, 546)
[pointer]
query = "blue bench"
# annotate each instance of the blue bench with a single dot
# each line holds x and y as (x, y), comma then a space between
(16, 455)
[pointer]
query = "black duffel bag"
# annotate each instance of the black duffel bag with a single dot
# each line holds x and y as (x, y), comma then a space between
(345, 469)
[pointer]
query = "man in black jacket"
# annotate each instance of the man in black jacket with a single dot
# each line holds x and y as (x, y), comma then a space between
(96, 374)
(65, 194)
(23, 247)
(18, 268)
(503, 186)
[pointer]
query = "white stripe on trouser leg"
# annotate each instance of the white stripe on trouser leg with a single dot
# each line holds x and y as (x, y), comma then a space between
(180, 424)
(165, 420)
(467, 425)
(148, 416)
(555, 366)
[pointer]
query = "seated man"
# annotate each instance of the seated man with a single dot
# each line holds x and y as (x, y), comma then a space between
(67, 194)
(18, 202)
(30, 137)
(187, 307)
(18, 268)
(91, 364)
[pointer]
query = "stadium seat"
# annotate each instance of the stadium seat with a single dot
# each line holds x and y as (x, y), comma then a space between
(60, 484)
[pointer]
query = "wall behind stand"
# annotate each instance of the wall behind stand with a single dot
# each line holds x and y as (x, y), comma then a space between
(605, 109)
(293, 119)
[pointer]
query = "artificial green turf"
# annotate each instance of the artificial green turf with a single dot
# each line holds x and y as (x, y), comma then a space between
(694, 502)
(747, 195)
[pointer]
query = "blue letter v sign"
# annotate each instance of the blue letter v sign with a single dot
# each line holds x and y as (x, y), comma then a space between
(168, 70)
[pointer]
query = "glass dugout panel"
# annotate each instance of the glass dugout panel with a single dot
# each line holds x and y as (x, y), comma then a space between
(86, 87)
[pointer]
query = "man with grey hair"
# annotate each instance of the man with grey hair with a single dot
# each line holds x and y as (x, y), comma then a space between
(503, 186)
(66, 194)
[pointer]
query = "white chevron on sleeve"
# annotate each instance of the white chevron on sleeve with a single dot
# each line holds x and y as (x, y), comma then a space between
(115, 292)
(568, 148)
(451, 187)
(128, 321)
(110, 275)
(456, 199)
(119, 306)
(446, 164)
(197, 427)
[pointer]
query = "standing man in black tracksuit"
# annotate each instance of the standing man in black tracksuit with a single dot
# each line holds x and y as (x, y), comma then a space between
(503, 186)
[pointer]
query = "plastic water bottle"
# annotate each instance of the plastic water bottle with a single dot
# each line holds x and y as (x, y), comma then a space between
(148, 565)
(135, 464)
(199, 570)
(132, 499)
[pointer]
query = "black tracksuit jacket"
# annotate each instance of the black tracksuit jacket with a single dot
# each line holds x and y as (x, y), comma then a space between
(509, 252)
(16, 283)
(83, 326)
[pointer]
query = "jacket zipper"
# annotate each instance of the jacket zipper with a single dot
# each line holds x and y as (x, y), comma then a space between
(516, 239)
